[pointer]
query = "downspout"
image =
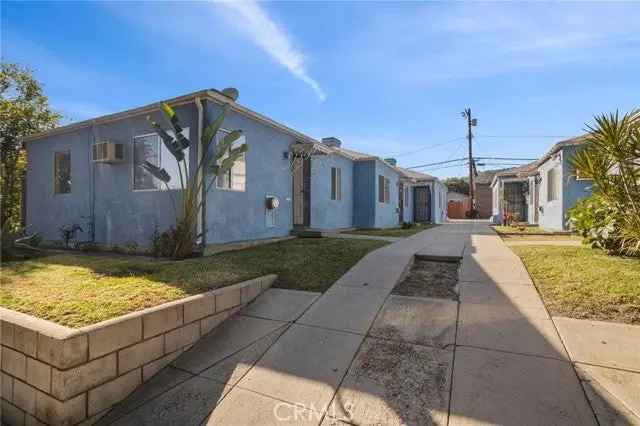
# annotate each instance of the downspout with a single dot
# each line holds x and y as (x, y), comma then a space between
(92, 186)
(201, 219)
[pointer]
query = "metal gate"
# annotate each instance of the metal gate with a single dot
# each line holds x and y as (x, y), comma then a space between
(422, 204)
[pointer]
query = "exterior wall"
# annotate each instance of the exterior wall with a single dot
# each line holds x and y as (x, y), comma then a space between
(325, 212)
(439, 202)
(63, 376)
(551, 212)
(239, 216)
(122, 215)
(496, 214)
(572, 188)
(531, 208)
(407, 212)
(364, 194)
(386, 214)
(484, 198)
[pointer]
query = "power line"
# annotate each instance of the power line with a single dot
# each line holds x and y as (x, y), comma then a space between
(424, 148)
(504, 158)
(523, 136)
(437, 163)
(465, 159)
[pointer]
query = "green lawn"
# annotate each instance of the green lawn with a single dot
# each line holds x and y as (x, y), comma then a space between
(392, 232)
(77, 290)
(580, 282)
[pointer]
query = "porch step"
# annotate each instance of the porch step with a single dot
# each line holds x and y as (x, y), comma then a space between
(309, 233)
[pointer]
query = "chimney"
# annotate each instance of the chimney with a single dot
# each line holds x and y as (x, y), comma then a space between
(332, 142)
(391, 161)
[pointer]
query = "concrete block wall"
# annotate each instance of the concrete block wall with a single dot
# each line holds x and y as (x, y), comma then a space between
(56, 375)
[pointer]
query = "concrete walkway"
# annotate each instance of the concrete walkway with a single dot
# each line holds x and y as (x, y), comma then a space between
(360, 355)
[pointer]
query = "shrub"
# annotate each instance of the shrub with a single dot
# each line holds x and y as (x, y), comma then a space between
(597, 221)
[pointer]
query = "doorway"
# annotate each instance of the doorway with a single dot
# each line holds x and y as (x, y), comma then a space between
(422, 204)
(301, 191)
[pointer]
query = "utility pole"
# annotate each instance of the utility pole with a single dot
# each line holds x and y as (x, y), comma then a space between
(471, 122)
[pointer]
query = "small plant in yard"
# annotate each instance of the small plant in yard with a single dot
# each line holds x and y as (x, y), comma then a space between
(131, 247)
(179, 242)
(68, 233)
(17, 243)
(610, 218)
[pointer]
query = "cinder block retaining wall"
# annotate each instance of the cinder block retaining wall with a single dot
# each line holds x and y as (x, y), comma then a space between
(61, 376)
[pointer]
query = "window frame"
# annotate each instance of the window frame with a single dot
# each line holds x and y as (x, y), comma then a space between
(553, 190)
(336, 184)
(234, 145)
(384, 189)
(406, 196)
(55, 172)
(133, 163)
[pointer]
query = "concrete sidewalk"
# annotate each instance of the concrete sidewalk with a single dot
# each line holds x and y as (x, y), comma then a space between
(361, 355)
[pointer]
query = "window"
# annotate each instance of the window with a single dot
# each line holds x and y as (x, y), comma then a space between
(62, 172)
(150, 148)
(145, 148)
(234, 179)
(336, 183)
(383, 189)
(406, 196)
(552, 184)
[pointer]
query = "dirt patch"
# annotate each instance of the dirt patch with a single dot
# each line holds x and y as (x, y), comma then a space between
(429, 278)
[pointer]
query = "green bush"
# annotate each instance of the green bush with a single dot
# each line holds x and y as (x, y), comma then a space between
(597, 221)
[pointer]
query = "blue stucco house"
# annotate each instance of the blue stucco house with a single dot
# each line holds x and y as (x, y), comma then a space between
(89, 173)
(542, 192)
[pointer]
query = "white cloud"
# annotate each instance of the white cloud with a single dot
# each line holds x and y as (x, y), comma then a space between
(252, 20)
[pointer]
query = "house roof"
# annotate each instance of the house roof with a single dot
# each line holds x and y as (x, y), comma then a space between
(210, 94)
(486, 176)
(219, 98)
(413, 175)
(578, 140)
(531, 168)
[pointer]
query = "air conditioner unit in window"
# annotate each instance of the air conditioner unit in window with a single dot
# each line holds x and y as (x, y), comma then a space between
(107, 152)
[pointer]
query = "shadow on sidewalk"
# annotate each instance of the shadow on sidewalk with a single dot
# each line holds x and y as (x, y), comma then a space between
(507, 366)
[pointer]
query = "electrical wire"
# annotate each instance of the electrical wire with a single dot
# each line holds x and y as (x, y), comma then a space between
(523, 136)
(424, 148)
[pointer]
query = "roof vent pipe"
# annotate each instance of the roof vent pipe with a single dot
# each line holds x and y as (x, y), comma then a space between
(332, 142)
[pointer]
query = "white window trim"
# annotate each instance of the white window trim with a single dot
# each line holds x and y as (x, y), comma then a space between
(133, 163)
(161, 187)
(220, 188)
(385, 181)
(556, 190)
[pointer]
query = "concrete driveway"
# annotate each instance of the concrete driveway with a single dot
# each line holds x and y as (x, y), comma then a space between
(359, 354)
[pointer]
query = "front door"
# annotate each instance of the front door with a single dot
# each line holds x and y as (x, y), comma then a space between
(401, 203)
(301, 191)
(422, 204)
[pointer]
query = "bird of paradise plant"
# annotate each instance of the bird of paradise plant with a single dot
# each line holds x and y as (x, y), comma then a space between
(214, 162)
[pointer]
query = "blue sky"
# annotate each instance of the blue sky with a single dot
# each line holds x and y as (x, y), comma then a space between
(387, 78)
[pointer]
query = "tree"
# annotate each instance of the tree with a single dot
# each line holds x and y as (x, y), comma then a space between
(456, 184)
(214, 162)
(610, 157)
(24, 110)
